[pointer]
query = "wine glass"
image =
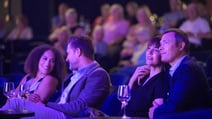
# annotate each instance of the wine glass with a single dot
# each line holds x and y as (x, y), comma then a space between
(124, 96)
(9, 92)
(24, 93)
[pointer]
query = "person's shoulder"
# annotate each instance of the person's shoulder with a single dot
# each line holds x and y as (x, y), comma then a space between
(49, 79)
(190, 64)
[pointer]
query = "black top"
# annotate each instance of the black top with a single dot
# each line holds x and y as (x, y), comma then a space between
(143, 96)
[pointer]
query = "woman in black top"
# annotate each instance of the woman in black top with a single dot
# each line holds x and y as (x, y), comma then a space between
(147, 84)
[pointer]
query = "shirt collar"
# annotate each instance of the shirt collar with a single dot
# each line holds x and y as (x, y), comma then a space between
(176, 65)
(85, 69)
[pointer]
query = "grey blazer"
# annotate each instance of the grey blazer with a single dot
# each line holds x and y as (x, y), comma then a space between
(90, 91)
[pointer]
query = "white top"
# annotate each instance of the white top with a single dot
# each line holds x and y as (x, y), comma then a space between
(199, 25)
(25, 34)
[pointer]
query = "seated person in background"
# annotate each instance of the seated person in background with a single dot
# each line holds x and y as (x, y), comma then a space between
(59, 19)
(104, 15)
(196, 27)
(45, 69)
(147, 82)
(138, 58)
(129, 44)
(61, 40)
(22, 30)
(87, 85)
(188, 86)
(173, 17)
(100, 47)
(143, 35)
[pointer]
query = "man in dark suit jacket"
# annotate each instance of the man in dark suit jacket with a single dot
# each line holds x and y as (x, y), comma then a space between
(188, 87)
(87, 87)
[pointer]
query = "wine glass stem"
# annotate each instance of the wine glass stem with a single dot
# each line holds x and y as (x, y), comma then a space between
(124, 111)
(9, 109)
(24, 108)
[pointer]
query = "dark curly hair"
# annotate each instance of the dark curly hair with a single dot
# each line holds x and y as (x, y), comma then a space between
(32, 61)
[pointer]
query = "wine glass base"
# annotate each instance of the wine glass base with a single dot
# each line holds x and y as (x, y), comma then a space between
(125, 117)
(9, 110)
(25, 111)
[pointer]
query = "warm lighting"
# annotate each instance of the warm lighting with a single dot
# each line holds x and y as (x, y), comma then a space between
(7, 18)
(6, 3)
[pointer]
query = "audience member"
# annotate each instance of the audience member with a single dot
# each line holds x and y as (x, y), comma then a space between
(171, 19)
(197, 28)
(87, 86)
(59, 20)
(22, 30)
(143, 35)
(131, 10)
(115, 29)
(127, 67)
(71, 23)
(100, 47)
(146, 89)
(104, 17)
(188, 86)
(72, 19)
(129, 44)
(143, 17)
(61, 41)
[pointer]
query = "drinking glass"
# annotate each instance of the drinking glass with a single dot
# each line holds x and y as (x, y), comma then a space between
(124, 96)
(24, 93)
(9, 92)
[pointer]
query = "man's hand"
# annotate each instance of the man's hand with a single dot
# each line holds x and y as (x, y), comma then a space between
(157, 102)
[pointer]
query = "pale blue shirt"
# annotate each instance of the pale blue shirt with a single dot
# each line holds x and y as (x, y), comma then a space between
(76, 76)
(176, 65)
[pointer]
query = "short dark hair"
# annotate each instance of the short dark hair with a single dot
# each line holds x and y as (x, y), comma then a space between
(32, 61)
(84, 43)
(155, 41)
(180, 36)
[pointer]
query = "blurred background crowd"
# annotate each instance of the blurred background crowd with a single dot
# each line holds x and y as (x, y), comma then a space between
(120, 29)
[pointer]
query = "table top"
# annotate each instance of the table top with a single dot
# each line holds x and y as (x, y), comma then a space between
(112, 118)
(14, 114)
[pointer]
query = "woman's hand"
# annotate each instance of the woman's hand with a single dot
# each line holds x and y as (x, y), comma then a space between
(139, 74)
(34, 98)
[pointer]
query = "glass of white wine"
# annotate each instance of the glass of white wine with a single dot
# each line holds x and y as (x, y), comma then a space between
(124, 96)
(9, 92)
(24, 93)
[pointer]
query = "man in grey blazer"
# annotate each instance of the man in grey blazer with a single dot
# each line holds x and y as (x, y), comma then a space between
(86, 87)
(89, 83)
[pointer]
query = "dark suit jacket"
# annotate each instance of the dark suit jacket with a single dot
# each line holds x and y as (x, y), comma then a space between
(90, 91)
(188, 89)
